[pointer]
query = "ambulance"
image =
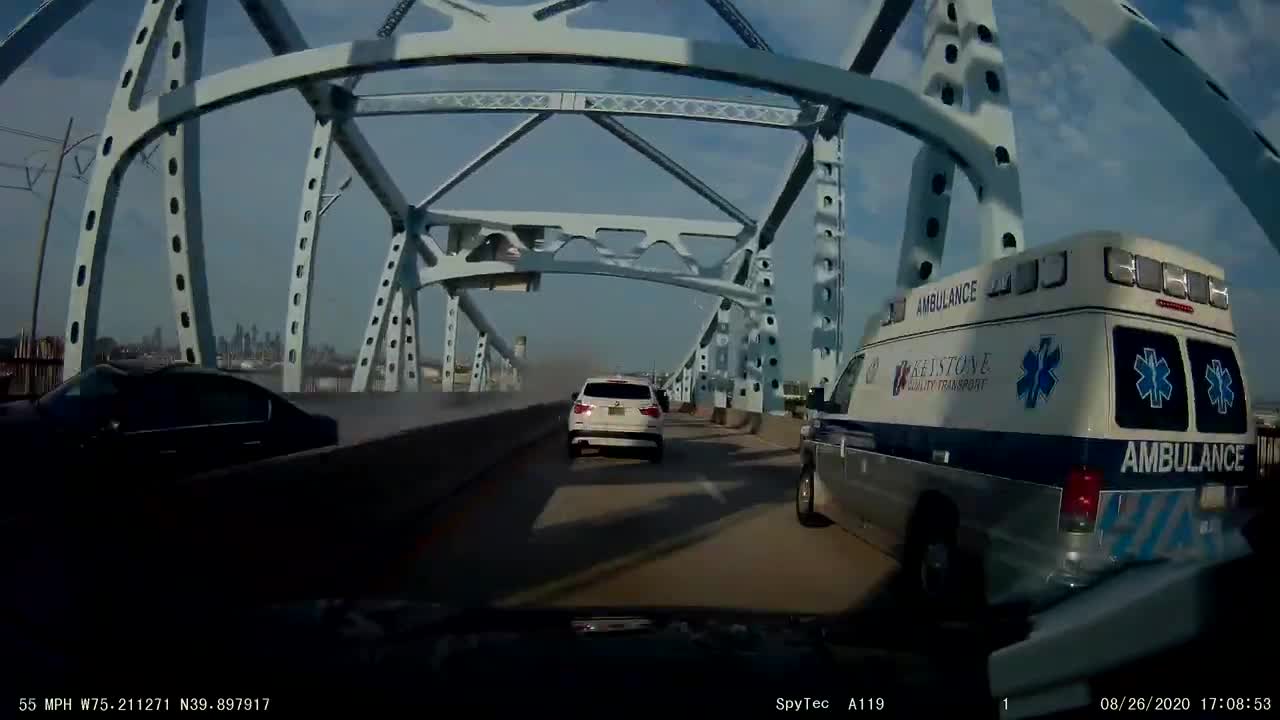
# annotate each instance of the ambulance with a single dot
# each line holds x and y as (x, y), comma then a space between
(1032, 425)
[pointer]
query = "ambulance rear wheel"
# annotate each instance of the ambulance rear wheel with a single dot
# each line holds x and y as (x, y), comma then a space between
(805, 487)
(930, 558)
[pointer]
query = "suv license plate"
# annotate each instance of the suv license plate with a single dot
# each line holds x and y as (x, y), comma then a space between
(617, 411)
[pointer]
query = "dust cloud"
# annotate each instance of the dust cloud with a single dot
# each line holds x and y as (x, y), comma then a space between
(362, 416)
(559, 373)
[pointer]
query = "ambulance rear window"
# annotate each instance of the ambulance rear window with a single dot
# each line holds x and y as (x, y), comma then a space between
(1218, 388)
(1150, 381)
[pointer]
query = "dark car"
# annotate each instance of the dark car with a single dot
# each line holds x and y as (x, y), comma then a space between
(164, 421)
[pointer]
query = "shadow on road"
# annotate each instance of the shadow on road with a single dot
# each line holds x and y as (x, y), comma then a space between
(533, 531)
(561, 527)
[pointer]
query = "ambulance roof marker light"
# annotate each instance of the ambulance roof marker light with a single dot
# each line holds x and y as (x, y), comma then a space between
(1150, 273)
(1001, 283)
(1053, 270)
(898, 310)
(1218, 294)
(1175, 280)
(1197, 287)
(1120, 266)
(1025, 277)
(1126, 268)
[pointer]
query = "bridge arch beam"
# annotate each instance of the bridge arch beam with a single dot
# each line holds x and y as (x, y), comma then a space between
(583, 102)
(886, 102)
(1248, 160)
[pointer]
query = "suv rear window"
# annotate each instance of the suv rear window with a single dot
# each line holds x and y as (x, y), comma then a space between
(1151, 383)
(617, 391)
(1218, 387)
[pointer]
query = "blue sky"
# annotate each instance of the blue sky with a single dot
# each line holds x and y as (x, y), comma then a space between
(1097, 152)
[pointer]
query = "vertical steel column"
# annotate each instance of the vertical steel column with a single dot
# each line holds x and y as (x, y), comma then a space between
(827, 328)
(520, 350)
(703, 387)
(720, 356)
(409, 319)
(982, 66)
(741, 377)
(83, 306)
(932, 172)
(753, 363)
(764, 368)
(686, 384)
(298, 317)
(181, 148)
(393, 343)
(376, 330)
(478, 362)
(448, 362)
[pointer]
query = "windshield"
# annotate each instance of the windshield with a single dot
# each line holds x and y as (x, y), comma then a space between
(89, 395)
(569, 350)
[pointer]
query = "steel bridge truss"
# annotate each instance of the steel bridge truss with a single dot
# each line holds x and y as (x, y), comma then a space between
(960, 111)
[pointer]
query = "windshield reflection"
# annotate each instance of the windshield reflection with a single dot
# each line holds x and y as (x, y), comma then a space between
(83, 397)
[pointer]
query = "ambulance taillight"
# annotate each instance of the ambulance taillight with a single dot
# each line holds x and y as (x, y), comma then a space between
(1079, 509)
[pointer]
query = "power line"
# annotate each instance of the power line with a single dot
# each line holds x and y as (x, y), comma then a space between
(38, 136)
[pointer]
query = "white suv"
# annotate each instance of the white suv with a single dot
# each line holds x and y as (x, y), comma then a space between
(616, 411)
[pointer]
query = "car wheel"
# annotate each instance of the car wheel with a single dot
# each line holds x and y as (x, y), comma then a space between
(805, 513)
(655, 455)
(931, 560)
(574, 450)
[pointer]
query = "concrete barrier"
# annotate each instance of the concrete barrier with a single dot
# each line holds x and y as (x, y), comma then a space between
(777, 429)
(329, 522)
(363, 416)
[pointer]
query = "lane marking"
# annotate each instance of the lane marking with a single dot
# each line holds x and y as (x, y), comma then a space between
(710, 488)
(549, 592)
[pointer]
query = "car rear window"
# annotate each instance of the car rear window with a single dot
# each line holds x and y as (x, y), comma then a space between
(1218, 388)
(1150, 380)
(617, 391)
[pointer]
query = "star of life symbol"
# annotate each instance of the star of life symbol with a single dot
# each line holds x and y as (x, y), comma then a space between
(1221, 396)
(1039, 372)
(1153, 378)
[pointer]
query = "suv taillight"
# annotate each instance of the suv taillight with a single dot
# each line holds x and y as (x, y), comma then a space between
(651, 411)
(1079, 510)
(580, 408)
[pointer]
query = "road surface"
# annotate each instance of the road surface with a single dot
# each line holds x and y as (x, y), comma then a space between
(713, 526)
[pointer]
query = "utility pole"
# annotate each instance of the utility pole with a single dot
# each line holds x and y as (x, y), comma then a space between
(44, 232)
